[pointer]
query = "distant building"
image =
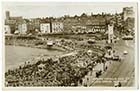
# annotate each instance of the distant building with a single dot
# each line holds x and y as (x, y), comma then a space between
(7, 29)
(7, 15)
(56, 27)
(36, 23)
(128, 12)
(45, 28)
(79, 29)
(96, 25)
(110, 33)
(13, 22)
(22, 28)
(129, 24)
(30, 28)
(118, 19)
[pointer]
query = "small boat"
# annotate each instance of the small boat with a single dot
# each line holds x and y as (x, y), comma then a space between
(50, 43)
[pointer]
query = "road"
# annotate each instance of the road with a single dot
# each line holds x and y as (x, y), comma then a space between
(126, 66)
(123, 70)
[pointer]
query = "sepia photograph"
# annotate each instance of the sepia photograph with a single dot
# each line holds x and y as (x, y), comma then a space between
(69, 44)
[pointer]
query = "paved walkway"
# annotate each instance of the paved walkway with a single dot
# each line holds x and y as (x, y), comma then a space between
(91, 76)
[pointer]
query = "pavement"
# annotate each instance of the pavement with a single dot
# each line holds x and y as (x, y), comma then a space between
(118, 71)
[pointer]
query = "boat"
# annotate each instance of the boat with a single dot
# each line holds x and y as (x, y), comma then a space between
(50, 43)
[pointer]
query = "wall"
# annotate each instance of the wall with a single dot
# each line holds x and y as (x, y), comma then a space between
(22, 28)
(7, 29)
(45, 28)
(57, 27)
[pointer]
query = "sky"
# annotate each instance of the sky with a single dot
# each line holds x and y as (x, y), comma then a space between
(58, 9)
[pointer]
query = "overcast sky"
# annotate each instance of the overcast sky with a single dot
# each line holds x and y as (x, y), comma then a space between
(47, 9)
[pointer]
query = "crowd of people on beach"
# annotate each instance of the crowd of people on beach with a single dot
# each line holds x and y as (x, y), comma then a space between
(63, 71)
(67, 70)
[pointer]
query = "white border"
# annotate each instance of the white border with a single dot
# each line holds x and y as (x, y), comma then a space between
(75, 88)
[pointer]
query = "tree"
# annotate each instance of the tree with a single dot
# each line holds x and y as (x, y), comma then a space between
(84, 15)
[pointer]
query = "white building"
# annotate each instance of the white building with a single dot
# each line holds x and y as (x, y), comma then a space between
(128, 12)
(110, 33)
(7, 29)
(79, 29)
(57, 27)
(45, 28)
(22, 28)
